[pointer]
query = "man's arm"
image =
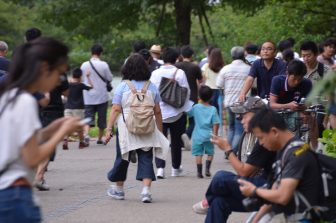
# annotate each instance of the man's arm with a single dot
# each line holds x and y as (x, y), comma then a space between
(280, 195)
(247, 86)
(275, 105)
(242, 169)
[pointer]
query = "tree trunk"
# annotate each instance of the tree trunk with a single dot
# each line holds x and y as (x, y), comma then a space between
(183, 21)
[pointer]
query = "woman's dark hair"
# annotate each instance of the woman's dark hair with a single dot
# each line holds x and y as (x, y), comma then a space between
(205, 93)
(216, 61)
(32, 33)
(266, 119)
(25, 68)
(135, 68)
(170, 55)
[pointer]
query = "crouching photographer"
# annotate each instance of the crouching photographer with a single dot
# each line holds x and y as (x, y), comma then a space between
(298, 173)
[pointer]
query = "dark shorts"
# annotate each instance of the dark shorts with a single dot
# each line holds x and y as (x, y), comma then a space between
(90, 112)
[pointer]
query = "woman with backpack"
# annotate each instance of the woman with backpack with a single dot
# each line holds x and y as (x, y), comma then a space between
(139, 127)
(36, 67)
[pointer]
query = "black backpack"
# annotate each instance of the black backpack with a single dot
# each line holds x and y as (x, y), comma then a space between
(326, 209)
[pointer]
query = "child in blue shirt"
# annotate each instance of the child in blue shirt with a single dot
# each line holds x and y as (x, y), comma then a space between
(206, 123)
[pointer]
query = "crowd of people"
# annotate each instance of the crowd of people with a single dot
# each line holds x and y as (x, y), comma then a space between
(241, 96)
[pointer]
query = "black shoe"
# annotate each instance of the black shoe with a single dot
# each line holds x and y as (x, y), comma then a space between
(100, 142)
(199, 175)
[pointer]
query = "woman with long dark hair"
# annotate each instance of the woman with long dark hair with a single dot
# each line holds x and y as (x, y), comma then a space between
(36, 66)
(210, 73)
(136, 76)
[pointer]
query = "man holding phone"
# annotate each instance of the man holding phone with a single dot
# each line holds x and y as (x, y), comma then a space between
(299, 171)
(287, 91)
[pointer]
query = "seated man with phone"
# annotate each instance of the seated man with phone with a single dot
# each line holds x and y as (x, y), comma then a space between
(298, 172)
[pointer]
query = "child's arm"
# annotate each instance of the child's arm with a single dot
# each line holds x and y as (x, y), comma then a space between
(215, 128)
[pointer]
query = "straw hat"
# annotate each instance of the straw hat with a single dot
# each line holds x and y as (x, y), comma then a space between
(155, 49)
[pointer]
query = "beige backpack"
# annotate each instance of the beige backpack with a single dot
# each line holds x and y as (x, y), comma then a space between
(140, 119)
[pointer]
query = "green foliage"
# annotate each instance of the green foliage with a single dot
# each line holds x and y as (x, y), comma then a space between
(329, 139)
(325, 87)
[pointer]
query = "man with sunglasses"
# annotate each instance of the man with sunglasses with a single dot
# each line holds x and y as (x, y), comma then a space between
(223, 195)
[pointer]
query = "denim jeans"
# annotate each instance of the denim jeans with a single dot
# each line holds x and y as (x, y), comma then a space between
(17, 205)
(224, 196)
(235, 130)
(120, 167)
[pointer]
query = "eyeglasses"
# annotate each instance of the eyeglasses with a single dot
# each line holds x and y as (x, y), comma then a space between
(267, 49)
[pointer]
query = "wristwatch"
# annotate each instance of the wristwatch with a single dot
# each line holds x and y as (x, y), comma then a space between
(227, 153)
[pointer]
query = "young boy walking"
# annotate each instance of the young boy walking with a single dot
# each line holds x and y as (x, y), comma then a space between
(75, 103)
(206, 123)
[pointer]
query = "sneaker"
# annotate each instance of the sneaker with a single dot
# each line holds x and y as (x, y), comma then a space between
(65, 147)
(118, 195)
(146, 198)
(42, 186)
(160, 173)
(100, 142)
(186, 142)
(82, 145)
(201, 207)
(177, 172)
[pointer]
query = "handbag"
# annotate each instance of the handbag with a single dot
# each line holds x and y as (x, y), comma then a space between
(172, 93)
(108, 84)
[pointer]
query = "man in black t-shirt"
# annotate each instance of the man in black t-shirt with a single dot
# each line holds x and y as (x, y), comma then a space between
(223, 195)
(75, 103)
(299, 169)
(194, 77)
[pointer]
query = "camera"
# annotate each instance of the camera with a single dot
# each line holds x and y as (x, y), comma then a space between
(253, 203)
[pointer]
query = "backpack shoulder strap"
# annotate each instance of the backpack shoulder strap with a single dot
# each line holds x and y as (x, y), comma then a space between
(131, 86)
(295, 143)
(145, 87)
(320, 69)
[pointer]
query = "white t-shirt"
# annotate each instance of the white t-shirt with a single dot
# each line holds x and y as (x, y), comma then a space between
(168, 72)
(98, 94)
(19, 121)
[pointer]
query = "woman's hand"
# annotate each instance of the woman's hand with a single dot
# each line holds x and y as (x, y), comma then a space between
(70, 125)
(108, 135)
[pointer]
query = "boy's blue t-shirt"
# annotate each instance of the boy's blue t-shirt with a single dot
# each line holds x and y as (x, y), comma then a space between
(205, 117)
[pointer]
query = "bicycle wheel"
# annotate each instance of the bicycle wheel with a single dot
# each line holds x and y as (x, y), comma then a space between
(245, 146)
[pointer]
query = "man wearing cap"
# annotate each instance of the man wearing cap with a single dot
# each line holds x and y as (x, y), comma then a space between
(223, 195)
(155, 51)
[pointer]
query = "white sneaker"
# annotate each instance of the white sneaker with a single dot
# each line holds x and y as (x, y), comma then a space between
(160, 173)
(177, 172)
(186, 142)
(146, 198)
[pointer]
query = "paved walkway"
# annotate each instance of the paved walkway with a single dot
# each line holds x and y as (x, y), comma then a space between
(78, 190)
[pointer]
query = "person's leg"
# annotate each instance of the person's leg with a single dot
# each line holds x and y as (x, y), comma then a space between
(89, 113)
(199, 166)
(176, 130)
(39, 177)
(238, 131)
(209, 150)
(145, 172)
(161, 164)
(102, 110)
(230, 133)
